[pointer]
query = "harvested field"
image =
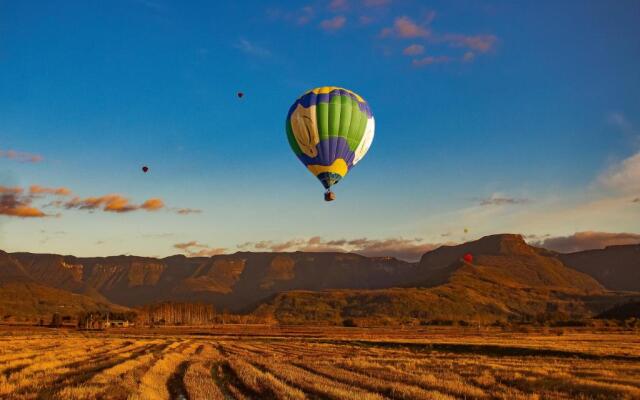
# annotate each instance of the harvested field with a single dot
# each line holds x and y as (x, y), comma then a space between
(318, 363)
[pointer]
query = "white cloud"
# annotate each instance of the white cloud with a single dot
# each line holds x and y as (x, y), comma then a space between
(623, 177)
(252, 49)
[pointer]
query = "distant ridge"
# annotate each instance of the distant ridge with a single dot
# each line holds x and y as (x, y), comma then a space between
(24, 298)
(508, 279)
(615, 267)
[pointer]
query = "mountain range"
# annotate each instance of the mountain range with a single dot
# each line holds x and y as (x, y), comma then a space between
(507, 280)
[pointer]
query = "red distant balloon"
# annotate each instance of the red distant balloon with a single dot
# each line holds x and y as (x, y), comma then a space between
(145, 169)
(240, 94)
(468, 257)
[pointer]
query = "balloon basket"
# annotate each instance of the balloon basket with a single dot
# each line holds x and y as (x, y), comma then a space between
(329, 196)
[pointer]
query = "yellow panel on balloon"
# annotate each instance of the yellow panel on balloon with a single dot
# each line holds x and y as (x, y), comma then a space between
(339, 167)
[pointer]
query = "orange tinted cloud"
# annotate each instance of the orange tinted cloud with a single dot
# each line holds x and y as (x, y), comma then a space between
(195, 249)
(152, 204)
(10, 190)
(20, 156)
(111, 203)
(17, 204)
(61, 191)
(14, 206)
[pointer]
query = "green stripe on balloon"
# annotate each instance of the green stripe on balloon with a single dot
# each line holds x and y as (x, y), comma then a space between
(292, 139)
(346, 112)
(322, 115)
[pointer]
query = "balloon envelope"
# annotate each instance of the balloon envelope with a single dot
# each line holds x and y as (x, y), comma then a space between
(330, 129)
(145, 169)
(468, 257)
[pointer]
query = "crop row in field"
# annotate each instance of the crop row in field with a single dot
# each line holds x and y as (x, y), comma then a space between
(95, 366)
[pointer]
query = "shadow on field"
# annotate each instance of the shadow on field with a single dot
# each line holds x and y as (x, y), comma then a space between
(482, 349)
(175, 383)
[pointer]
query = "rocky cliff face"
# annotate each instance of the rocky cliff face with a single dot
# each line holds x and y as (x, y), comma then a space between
(232, 281)
(507, 277)
(615, 267)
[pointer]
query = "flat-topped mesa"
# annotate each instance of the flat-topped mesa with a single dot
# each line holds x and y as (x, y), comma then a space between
(501, 244)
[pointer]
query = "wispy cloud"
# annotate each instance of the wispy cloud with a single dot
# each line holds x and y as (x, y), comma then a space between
(375, 3)
(420, 30)
(109, 203)
(498, 200)
(365, 19)
(195, 249)
(61, 191)
(301, 16)
(468, 56)
(333, 24)
(21, 156)
(405, 249)
(624, 176)
(478, 43)
(429, 60)
(404, 27)
(587, 240)
(187, 211)
(413, 50)
(252, 49)
(115, 203)
(620, 121)
(338, 5)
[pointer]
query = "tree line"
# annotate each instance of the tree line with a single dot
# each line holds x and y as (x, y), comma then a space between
(171, 313)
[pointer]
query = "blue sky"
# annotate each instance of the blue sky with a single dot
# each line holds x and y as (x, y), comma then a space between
(492, 116)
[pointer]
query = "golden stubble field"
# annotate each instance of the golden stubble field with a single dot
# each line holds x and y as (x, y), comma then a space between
(332, 363)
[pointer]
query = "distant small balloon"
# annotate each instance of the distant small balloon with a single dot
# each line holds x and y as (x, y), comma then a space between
(240, 94)
(145, 169)
(468, 258)
(466, 230)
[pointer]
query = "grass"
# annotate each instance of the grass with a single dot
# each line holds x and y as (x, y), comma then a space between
(319, 363)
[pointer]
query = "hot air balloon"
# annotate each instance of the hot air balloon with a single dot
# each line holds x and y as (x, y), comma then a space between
(468, 258)
(239, 94)
(330, 129)
(145, 169)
